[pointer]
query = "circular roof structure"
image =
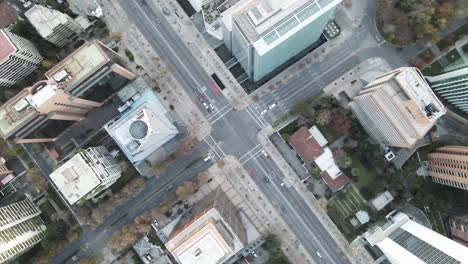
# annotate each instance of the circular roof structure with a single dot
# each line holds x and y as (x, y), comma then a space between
(138, 129)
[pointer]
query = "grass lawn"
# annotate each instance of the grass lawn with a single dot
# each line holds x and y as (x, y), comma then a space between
(358, 170)
(454, 57)
(433, 69)
(329, 133)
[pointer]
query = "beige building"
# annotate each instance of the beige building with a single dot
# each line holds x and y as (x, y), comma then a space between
(211, 232)
(83, 80)
(459, 228)
(53, 25)
(449, 166)
(4, 171)
(86, 174)
(18, 58)
(21, 228)
(398, 108)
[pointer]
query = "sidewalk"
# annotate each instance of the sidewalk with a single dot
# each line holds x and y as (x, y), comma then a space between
(355, 253)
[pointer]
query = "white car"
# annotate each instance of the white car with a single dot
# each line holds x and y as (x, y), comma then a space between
(264, 153)
(263, 112)
(318, 254)
(272, 106)
(207, 158)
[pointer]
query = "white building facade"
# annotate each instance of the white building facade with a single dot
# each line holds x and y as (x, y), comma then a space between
(398, 108)
(86, 174)
(20, 229)
(403, 240)
(54, 26)
(263, 35)
(18, 58)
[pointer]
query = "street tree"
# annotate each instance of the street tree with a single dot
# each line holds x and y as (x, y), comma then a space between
(35, 177)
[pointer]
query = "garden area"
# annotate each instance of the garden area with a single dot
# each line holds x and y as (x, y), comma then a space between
(347, 203)
(405, 22)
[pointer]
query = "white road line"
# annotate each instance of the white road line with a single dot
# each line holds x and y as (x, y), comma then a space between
(294, 211)
(217, 145)
(252, 156)
(260, 117)
(221, 116)
(216, 112)
(253, 149)
(213, 149)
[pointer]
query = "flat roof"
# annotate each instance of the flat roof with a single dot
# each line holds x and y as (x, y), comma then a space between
(6, 47)
(74, 179)
(81, 64)
(45, 20)
(142, 128)
(382, 200)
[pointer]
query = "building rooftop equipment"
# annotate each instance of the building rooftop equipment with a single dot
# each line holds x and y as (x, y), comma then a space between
(381, 200)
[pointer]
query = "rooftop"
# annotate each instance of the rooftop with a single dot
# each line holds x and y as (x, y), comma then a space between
(6, 46)
(269, 22)
(67, 75)
(305, 145)
(337, 183)
(7, 14)
(382, 200)
(143, 127)
(74, 179)
(45, 20)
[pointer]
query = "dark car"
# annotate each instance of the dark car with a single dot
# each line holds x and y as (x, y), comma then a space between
(266, 179)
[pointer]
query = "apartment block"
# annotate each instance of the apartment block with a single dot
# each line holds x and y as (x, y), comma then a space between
(21, 228)
(452, 87)
(210, 232)
(54, 26)
(83, 80)
(398, 108)
(459, 228)
(18, 58)
(449, 166)
(264, 34)
(86, 174)
(404, 240)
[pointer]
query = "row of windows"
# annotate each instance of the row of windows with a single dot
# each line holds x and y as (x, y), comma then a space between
(454, 161)
(449, 165)
(451, 183)
(72, 106)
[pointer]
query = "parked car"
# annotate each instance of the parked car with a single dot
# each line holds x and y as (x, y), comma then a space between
(266, 179)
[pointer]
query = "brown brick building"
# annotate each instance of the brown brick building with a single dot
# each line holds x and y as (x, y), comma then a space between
(448, 165)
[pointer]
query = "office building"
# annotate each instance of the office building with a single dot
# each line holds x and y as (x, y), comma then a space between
(452, 87)
(264, 34)
(398, 108)
(84, 79)
(403, 240)
(8, 14)
(86, 174)
(21, 228)
(18, 58)
(143, 126)
(459, 228)
(449, 166)
(311, 146)
(211, 232)
(54, 26)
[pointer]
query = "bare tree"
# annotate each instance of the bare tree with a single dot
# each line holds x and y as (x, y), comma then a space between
(36, 178)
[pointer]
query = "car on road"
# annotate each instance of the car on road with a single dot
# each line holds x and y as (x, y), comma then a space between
(155, 223)
(169, 188)
(272, 106)
(264, 153)
(263, 112)
(212, 107)
(207, 158)
(282, 184)
(283, 208)
(266, 179)
(318, 254)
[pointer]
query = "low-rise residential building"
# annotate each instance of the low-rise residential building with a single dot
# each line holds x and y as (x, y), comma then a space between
(398, 108)
(21, 228)
(54, 26)
(84, 79)
(212, 231)
(403, 240)
(449, 166)
(151, 254)
(143, 126)
(311, 147)
(381, 200)
(18, 58)
(86, 174)
(459, 228)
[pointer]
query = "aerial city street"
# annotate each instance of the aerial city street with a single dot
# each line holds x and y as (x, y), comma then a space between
(234, 131)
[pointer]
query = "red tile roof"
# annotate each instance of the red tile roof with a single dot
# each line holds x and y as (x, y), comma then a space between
(7, 14)
(6, 47)
(335, 184)
(305, 145)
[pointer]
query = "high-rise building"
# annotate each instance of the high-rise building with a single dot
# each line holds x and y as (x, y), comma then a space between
(84, 79)
(143, 126)
(452, 87)
(210, 232)
(403, 240)
(398, 108)
(459, 228)
(449, 166)
(18, 58)
(264, 34)
(21, 228)
(54, 26)
(86, 174)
